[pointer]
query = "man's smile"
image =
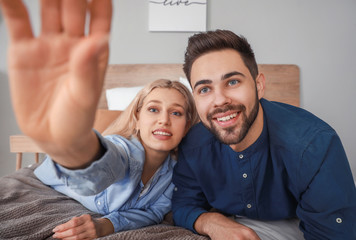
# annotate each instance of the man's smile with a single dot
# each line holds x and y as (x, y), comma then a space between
(226, 118)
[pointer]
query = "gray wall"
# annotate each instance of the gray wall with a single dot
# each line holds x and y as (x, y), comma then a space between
(317, 35)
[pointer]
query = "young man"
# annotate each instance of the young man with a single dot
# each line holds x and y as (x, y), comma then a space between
(264, 167)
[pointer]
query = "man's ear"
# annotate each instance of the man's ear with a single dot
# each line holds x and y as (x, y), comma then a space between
(260, 85)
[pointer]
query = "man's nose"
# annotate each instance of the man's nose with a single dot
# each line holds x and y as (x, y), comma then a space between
(221, 98)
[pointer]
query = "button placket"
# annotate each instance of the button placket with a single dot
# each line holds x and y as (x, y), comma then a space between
(241, 157)
(247, 184)
(100, 203)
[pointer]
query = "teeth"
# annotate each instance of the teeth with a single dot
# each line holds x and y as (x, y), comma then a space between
(161, 133)
(226, 118)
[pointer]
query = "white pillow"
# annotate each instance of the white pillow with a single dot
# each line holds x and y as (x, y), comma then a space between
(185, 82)
(120, 98)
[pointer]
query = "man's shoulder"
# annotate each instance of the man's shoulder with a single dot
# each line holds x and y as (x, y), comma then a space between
(291, 118)
(294, 129)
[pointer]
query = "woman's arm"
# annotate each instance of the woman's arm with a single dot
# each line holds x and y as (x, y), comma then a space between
(141, 216)
(56, 78)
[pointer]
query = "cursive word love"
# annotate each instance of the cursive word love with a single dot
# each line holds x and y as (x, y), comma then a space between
(177, 2)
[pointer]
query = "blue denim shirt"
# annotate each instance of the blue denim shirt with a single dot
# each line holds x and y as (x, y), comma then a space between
(112, 186)
(296, 168)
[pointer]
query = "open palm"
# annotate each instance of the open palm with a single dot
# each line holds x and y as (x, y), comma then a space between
(56, 78)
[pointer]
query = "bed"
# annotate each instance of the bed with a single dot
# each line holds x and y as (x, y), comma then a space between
(30, 209)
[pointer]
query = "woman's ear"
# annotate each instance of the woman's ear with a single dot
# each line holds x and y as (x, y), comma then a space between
(260, 85)
(137, 127)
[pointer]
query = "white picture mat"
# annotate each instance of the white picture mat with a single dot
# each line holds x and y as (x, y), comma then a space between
(177, 15)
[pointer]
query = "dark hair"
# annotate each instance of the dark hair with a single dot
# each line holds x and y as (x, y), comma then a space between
(205, 42)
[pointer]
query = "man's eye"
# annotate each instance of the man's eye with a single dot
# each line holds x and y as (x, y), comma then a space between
(233, 82)
(204, 90)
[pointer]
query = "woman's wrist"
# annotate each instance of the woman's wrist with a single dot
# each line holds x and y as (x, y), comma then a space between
(104, 227)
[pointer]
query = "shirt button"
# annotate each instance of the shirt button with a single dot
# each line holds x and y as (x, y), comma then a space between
(249, 206)
(175, 189)
(244, 175)
(338, 220)
(99, 203)
(241, 156)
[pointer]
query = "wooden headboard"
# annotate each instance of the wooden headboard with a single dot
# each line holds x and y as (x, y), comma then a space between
(282, 80)
(282, 84)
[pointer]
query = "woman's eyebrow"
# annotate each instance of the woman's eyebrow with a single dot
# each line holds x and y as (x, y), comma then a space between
(161, 102)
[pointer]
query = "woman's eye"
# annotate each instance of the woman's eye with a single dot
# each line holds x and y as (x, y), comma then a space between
(233, 82)
(177, 113)
(153, 109)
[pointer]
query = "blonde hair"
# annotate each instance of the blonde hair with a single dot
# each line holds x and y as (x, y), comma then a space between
(125, 124)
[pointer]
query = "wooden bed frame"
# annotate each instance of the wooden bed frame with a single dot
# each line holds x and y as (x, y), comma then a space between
(282, 85)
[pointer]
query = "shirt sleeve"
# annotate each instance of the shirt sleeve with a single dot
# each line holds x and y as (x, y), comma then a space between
(188, 201)
(94, 179)
(135, 218)
(327, 205)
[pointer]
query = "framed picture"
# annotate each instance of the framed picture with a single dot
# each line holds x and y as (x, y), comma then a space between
(177, 15)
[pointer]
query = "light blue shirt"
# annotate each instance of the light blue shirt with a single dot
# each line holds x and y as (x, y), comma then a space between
(112, 186)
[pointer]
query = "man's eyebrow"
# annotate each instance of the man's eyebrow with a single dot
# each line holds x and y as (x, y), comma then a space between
(225, 76)
(230, 74)
(203, 81)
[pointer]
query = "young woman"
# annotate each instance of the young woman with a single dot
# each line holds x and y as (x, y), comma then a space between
(137, 165)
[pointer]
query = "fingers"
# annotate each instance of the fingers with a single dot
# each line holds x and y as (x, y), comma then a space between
(17, 20)
(51, 16)
(74, 222)
(88, 64)
(77, 228)
(73, 16)
(101, 13)
(70, 16)
(57, 16)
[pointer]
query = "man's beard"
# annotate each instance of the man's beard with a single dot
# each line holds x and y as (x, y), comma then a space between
(233, 135)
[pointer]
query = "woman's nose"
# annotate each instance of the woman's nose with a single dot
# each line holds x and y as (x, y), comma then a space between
(164, 119)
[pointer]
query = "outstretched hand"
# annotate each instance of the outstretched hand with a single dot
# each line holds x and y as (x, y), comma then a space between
(56, 78)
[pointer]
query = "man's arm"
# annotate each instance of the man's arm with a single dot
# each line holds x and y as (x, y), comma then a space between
(217, 226)
(190, 208)
(327, 204)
